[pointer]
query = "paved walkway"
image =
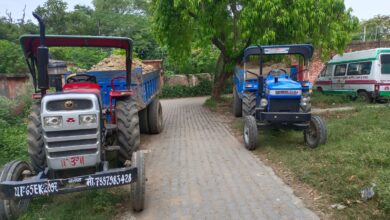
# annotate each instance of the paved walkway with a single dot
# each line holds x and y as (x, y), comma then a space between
(197, 169)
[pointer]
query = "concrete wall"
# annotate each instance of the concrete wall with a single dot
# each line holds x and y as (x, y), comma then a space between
(12, 85)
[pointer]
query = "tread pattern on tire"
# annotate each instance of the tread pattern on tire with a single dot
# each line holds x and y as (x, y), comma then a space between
(237, 104)
(322, 132)
(36, 147)
(250, 123)
(138, 187)
(155, 117)
(143, 121)
(128, 133)
(11, 209)
(248, 103)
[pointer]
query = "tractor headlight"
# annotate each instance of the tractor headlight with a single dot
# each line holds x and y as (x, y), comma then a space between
(263, 103)
(87, 119)
(52, 121)
(305, 101)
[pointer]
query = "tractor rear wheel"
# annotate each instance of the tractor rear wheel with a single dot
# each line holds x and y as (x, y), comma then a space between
(143, 121)
(250, 132)
(128, 134)
(155, 117)
(36, 147)
(14, 171)
(237, 103)
(138, 187)
(316, 134)
(248, 103)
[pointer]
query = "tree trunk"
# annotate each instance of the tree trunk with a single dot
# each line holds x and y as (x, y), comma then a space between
(222, 73)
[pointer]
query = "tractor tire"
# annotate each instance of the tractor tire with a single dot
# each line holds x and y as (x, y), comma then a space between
(36, 146)
(143, 121)
(248, 104)
(365, 97)
(128, 134)
(155, 117)
(138, 187)
(250, 132)
(316, 134)
(237, 104)
(13, 171)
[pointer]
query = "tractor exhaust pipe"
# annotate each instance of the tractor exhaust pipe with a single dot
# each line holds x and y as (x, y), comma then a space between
(42, 57)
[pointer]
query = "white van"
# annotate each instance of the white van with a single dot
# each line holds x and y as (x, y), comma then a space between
(363, 73)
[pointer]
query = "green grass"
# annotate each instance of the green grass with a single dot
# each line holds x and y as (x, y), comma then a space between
(98, 204)
(223, 102)
(356, 154)
(320, 100)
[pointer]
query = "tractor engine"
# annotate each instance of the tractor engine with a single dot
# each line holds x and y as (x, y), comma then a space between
(282, 94)
(71, 130)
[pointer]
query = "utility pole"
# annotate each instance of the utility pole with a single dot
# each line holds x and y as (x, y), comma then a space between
(364, 34)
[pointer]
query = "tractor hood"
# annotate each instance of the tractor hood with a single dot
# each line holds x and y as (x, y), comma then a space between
(283, 82)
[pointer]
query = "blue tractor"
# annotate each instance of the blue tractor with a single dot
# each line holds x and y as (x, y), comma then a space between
(275, 98)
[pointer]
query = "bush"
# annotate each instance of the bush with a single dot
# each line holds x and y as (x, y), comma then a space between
(83, 57)
(202, 89)
(11, 58)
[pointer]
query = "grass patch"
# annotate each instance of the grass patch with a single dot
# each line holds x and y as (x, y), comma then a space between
(355, 155)
(223, 103)
(320, 100)
(97, 204)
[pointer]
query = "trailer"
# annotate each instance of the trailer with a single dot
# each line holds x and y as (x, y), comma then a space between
(86, 134)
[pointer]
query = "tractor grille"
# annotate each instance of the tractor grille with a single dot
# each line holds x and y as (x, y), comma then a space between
(72, 143)
(284, 105)
(72, 153)
(69, 105)
(52, 134)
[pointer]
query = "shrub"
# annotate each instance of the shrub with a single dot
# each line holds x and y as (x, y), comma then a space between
(202, 89)
(11, 58)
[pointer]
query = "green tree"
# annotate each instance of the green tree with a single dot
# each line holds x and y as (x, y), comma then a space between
(11, 58)
(55, 15)
(233, 25)
(377, 28)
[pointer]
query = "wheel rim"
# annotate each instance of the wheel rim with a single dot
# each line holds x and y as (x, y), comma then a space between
(246, 134)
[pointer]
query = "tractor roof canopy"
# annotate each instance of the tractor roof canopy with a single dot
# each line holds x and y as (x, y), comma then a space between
(30, 43)
(306, 50)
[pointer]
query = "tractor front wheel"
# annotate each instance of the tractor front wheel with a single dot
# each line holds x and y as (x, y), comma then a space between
(36, 147)
(316, 134)
(128, 134)
(14, 171)
(250, 132)
(138, 187)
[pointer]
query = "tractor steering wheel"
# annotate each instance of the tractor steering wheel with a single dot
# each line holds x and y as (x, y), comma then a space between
(252, 73)
(74, 78)
(275, 70)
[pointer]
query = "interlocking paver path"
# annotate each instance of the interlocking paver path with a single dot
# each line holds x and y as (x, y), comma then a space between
(197, 169)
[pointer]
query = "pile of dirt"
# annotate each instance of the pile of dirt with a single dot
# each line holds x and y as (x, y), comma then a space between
(118, 62)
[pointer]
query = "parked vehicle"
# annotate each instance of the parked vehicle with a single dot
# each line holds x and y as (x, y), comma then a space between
(245, 88)
(364, 74)
(283, 102)
(85, 136)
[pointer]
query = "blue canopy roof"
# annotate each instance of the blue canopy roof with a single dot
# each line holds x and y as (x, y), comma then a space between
(306, 50)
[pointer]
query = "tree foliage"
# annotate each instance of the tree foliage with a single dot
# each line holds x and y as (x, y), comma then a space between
(11, 59)
(232, 25)
(377, 28)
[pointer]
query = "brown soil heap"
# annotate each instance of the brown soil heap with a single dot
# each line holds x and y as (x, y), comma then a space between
(117, 62)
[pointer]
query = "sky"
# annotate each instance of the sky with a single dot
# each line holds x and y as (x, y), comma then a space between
(363, 9)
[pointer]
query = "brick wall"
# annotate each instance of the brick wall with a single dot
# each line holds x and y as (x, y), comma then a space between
(11, 85)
